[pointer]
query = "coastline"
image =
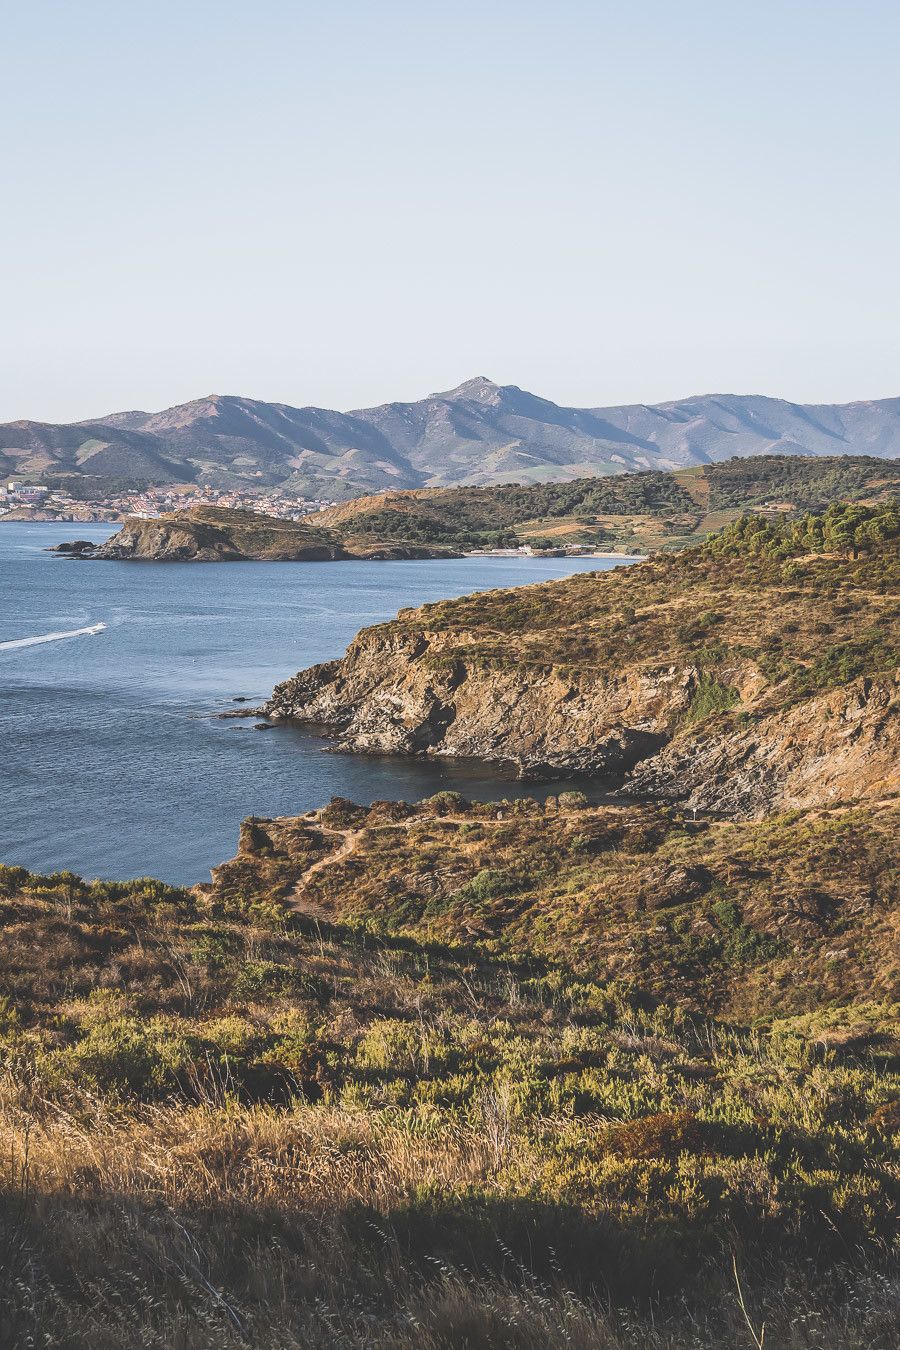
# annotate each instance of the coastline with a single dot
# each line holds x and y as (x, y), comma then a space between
(514, 553)
(215, 633)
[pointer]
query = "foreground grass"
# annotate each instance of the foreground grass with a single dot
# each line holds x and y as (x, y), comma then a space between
(223, 1125)
(203, 1226)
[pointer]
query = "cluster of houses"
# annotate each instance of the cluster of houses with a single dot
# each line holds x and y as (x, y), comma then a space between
(19, 500)
(159, 501)
(23, 493)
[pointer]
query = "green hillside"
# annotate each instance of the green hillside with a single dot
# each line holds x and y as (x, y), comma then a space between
(643, 511)
(410, 1097)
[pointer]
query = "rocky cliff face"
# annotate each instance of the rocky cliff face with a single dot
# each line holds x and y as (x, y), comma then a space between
(739, 688)
(840, 747)
(189, 537)
(393, 693)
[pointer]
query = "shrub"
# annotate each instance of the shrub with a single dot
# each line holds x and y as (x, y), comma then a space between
(710, 697)
(390, 1044)
(487, 884)
(664, 1135)
(118, 1054)
(343, 813)
(448, 803)
(572, 801)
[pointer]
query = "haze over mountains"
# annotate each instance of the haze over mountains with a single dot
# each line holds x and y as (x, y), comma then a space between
(478, 433)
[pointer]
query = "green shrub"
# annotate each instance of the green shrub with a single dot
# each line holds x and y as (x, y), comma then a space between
(487, 884)
(710, 697)
(119, 1054)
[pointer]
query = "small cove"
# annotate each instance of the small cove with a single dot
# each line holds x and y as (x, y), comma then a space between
(112, 762)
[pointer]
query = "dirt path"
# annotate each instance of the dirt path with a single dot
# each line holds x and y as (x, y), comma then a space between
(301, 903)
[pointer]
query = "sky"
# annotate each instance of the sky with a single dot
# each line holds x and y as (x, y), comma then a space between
(363, 200)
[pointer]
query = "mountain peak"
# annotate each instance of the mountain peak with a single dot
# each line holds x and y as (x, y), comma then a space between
(481, 389)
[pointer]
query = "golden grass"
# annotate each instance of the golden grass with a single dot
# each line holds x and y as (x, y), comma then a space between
(217, 1225)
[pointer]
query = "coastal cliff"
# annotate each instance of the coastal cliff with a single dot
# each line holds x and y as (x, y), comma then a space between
(393, 697)
(843, 746)
(735, 681)
(216, 537)
(402, 692)
(220, 534)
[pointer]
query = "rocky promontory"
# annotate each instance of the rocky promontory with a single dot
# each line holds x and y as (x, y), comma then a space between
(402, 692)
(220, 534)
(738, 682)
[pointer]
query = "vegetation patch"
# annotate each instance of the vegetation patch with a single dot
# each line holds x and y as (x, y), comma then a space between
(710, 697)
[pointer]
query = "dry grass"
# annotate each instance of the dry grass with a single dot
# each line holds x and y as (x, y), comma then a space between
(221, 1125)
(218, 1225)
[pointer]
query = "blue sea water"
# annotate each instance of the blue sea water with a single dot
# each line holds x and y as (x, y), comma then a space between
(112, 762)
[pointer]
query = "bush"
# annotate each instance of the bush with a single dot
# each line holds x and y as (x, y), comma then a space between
(664, 1135)
(118, 1054)
(487, 884)
(710, 697)
(572, 801)
(448, 803)
(343, 813)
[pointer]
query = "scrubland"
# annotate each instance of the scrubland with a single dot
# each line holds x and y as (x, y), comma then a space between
(223, 1122)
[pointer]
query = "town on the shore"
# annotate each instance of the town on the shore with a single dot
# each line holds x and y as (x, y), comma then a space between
(45, 502)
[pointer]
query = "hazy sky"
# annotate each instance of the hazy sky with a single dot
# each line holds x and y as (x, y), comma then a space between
(348, 202)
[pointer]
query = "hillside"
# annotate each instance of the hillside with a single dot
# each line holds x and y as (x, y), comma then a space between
(735, 920)
(757, 671)
(643, 512)
(478, 433)
(638, 512)
(428, 1076)
(220, 534)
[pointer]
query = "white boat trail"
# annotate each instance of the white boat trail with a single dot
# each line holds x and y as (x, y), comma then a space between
(51, 637)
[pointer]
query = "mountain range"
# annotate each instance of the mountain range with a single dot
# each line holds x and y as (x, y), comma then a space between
(478, 433)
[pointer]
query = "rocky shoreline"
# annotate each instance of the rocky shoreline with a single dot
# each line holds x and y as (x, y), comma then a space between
(389, 697)
(765, 717)
(212, 534)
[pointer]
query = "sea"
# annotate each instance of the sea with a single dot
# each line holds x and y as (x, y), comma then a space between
(114, 762)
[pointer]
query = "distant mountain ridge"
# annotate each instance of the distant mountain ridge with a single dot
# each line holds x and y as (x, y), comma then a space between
(478, 433)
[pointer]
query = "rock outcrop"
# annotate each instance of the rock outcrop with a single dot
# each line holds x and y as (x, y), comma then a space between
(216, 535)
(738, 684)
(394, 694)
(840, 747)
(219, 534)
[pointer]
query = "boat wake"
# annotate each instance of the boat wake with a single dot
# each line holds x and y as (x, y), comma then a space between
(51, 637)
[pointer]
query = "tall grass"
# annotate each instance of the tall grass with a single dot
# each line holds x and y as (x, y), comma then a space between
(226, 1225)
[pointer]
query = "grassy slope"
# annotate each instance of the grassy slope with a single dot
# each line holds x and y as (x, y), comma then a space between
(777, 595)
(643, 511)
(751, 920)
(257, 535)
(247, 1128)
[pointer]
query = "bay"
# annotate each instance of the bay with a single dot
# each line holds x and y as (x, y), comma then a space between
(112, 761)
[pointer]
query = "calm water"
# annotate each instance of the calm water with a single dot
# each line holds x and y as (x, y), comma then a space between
(110, 762)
